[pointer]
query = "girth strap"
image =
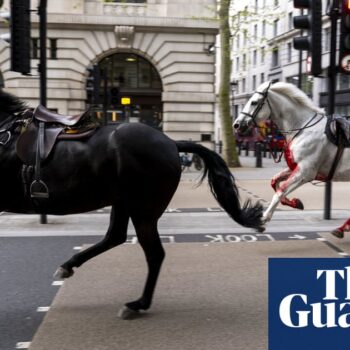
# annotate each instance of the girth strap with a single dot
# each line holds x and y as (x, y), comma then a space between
(38, 188)
(335, 162)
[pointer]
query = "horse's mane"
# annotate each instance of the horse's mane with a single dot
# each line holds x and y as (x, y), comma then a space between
(296, 95)
(10, 104)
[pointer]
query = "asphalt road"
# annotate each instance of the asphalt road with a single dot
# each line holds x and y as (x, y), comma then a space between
(27, 265)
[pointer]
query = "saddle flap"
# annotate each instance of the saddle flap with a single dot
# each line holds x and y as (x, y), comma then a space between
(338, 130)
(44, 115)
(27, 143)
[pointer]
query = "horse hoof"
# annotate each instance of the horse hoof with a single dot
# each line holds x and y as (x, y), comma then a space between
(126, 313)
(338, 233)
(298, 204)
(61, 273)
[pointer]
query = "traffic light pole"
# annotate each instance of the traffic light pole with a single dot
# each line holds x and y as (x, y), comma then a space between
(42, 11)
(332, 76)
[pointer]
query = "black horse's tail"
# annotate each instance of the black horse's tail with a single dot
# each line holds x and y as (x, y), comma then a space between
(223, 187)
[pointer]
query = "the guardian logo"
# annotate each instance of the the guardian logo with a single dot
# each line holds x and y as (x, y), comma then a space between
(332, 312)
(309, 304)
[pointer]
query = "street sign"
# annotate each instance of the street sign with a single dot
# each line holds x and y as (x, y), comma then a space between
(344, 41)
(345, 64)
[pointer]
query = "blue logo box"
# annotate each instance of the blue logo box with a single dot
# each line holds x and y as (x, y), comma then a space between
(309, 304)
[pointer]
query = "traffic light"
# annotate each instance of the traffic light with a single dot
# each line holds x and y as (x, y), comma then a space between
(312, 22)
(19, 38)
(344, 44)
(93, 83)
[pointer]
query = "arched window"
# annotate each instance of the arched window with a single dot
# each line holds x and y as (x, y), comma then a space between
(131, 78)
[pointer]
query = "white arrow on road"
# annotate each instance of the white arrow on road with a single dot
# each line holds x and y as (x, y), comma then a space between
(297, 237)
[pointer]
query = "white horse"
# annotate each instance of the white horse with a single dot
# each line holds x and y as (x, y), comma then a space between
(308, 152)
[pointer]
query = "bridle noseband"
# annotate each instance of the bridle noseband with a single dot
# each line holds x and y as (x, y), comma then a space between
(260, 105)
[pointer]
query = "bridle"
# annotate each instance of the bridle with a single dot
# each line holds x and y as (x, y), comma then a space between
(260, 105)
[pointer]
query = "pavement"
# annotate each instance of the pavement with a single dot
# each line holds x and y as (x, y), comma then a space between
(209, 296)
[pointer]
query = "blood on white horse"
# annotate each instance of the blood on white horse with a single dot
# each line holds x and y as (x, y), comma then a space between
(308, 152)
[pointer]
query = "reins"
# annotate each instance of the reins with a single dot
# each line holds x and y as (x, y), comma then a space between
(11, 122)
(297, 130)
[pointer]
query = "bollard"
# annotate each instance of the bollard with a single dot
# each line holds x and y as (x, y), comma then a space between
(258, 151)
(247, 148)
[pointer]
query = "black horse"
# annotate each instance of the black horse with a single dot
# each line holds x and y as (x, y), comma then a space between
(133, 168)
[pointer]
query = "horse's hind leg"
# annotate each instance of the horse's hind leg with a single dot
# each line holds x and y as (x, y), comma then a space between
(116, 234)
(339, 232)
(147, 234)
(275, 182)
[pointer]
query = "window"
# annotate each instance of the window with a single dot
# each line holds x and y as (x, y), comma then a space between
(35, 48)
(243, 85)
(289, 52)
(255, 31)
(237, 64)
(238, 40)
(290, 21)
(306, 83)
(244, 62)
(53, 49)
(275, 57)
(130, 71)
(254, 82)
(255, 58)
(263, 29)
(275, 27)
(263, 55)
(262, 78)
(343, 82)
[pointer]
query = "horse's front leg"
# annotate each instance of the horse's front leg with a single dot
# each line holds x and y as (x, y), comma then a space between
(339, 232)
(275, 183)
(293, 181)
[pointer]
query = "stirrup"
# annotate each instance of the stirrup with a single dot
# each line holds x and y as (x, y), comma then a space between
(38, 189)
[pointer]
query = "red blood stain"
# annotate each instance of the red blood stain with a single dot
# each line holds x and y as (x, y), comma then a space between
(288, 155)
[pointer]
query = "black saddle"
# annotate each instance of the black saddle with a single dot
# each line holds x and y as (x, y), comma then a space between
(338, 130)
(43, 131)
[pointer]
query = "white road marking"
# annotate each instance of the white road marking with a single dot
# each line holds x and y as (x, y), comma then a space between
(43, 309)
(57, 283)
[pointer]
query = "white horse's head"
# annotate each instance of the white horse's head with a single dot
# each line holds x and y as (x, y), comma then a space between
(256, 109)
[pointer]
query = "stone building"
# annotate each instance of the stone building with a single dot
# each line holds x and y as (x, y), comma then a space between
(263, 50)
(156, 52)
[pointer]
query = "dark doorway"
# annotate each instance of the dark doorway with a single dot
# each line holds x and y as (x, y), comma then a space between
(134, 88)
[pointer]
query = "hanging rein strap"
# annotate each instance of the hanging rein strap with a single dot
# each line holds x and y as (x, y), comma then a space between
(299, 131)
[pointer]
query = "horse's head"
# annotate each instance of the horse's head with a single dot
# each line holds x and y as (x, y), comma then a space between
(10, 104)
(256, 109)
